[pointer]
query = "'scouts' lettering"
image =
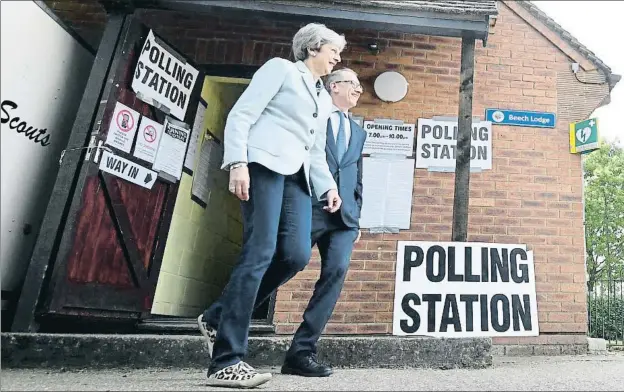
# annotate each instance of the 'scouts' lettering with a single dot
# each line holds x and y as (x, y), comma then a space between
(36, 135)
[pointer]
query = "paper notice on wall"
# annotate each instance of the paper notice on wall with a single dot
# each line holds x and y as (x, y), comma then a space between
(149, 135)
(122, 128)
(198, 128)
(208, 171)
(172, 147)
(389, 137)
(387, 187)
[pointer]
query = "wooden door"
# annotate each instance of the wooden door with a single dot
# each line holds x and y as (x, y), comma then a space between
(113, 242)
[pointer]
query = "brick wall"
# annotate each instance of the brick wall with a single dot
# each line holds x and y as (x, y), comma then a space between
(533, 194)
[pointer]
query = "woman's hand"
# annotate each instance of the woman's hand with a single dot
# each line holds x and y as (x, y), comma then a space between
(239, 182)
(333, 201)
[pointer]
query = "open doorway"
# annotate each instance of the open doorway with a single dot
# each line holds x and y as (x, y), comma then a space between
(205, 236)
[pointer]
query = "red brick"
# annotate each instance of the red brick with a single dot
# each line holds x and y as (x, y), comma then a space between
(532, 194)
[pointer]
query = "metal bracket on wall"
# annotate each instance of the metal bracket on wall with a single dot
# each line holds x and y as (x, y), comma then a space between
(90, 148)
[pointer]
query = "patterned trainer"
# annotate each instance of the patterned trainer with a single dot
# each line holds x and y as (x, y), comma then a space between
(209, 333)
(239, 375)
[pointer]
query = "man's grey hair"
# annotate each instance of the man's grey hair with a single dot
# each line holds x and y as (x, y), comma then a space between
(312, 36)
(336, 76)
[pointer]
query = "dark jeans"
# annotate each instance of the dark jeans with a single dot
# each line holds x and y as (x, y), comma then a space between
(276, 227)
(335, 243)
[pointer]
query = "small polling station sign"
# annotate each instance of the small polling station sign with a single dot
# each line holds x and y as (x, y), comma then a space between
(163, 78)
(521, 118)
(584, 136)
(464, 289)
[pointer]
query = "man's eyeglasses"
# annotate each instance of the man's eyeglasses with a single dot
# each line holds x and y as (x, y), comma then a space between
(356, 86)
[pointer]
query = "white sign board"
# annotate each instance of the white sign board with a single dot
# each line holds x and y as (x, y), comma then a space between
(147, 142)
(172, 148)
(389, 138)
(436, 143)
(127, 170)
(387, 187)
(44, 73)
(163, 78)
(122, 128)
(464, 289)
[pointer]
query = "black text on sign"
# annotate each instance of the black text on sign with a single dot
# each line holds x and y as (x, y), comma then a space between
(464, 289)
(164, 78)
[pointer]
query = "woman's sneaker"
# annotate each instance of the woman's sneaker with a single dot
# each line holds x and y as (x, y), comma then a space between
(239, 375)
(209, 333)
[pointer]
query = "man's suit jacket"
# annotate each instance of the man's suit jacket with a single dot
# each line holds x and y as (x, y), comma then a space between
(348, 176)
(279, 122)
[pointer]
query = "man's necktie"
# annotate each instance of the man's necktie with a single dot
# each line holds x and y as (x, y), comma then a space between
(341, 138)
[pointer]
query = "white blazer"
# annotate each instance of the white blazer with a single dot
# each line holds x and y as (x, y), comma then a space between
(280, 123)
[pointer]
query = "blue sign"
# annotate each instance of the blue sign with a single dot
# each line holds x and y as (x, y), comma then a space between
(522, 118)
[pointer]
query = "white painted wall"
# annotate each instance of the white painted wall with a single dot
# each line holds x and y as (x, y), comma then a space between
(44, 71)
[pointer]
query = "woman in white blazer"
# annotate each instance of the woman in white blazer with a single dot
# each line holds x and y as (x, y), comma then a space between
(274, 149)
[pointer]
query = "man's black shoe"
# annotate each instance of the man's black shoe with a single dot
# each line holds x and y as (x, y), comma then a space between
(306, 366)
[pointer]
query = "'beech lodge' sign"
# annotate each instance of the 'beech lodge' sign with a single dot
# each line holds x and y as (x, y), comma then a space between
(464, 289)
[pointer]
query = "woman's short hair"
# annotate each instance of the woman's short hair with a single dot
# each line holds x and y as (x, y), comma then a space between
(312, 36)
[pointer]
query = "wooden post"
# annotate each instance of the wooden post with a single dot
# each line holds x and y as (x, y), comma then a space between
(462, 163)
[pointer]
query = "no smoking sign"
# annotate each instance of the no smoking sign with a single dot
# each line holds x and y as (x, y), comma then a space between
(147, 145)
(150, 134)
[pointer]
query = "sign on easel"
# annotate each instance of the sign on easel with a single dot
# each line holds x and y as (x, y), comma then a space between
(163, 78)
(464, 289)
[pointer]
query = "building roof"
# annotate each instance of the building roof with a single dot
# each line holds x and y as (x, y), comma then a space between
(569, 39)
(457, 7)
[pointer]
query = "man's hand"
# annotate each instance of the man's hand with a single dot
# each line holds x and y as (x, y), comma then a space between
(333, 201)
(239, 182)
(359, 236)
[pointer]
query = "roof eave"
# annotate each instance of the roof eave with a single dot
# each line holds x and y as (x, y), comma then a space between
(351, 15)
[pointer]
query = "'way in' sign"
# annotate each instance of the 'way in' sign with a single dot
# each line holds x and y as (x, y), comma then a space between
(127, 170)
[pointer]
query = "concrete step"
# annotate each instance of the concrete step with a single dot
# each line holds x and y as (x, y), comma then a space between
(104, 351)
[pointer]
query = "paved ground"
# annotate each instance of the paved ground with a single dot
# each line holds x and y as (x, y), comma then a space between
(593, 373)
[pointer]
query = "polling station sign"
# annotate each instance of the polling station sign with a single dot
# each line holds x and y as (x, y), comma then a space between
(464, 289)
(162, 78)
(436, 144)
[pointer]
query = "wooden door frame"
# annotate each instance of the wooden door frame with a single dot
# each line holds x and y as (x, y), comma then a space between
(246, 72)
(160, 323)
(56, 217)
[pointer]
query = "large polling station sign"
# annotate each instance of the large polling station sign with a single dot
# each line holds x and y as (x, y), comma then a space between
(163, 78)
(436, 145)
(464, 289)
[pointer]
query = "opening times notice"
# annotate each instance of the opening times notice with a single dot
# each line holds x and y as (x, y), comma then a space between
(389, 138)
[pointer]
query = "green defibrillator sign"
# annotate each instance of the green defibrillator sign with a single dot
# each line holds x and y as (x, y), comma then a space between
(584, 136)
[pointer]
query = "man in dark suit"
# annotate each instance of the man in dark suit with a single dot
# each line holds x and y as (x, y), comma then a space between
(333, 234)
